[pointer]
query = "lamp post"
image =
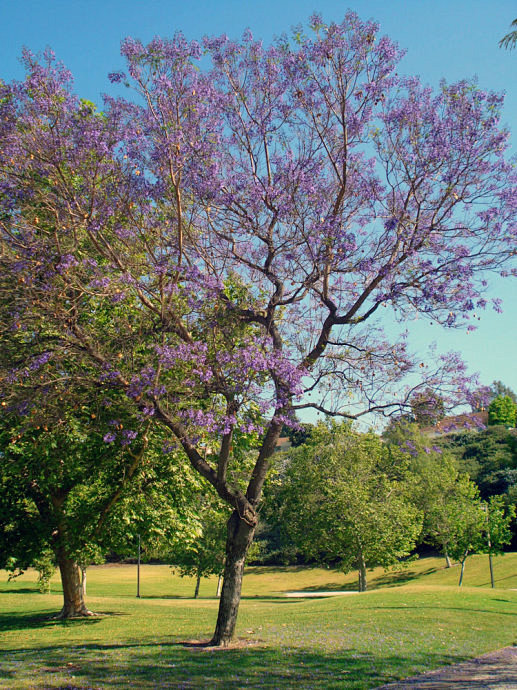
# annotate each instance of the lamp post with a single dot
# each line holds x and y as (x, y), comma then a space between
(138, 571)
(485, 507)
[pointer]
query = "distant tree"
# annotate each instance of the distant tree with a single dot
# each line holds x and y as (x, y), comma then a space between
(465, 521)
(480, 454)
(498, 388)
(478, 527)
(427, 408)
(298, 434)
(510, 40)
(438, 488)
(456, 521)
(501, 482)
(502, 410)
(489, 457)
(498, 517)
(343, 499)
(204, 554)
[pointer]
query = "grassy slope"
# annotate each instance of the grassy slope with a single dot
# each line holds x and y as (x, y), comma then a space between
(354, 641)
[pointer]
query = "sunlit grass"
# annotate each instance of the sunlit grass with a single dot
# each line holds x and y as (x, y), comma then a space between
(355, 641)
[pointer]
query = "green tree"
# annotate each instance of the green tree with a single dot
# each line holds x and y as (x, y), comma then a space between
(502, 410)
(498, 517)
(45, 564)
(476, 526)
(65, 489)
(204, 554)
(498, 388)
(427, 408)
(485, 456)
(59, 481)
(344, 499)
(299, 434)
(456, 521)
(448, 498)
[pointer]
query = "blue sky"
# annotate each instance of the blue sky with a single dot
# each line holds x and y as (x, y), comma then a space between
(443, 38)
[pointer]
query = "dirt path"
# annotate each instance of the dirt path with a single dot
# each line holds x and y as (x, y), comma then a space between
(493, 670)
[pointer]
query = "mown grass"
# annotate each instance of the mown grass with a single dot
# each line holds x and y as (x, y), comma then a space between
(416, 620)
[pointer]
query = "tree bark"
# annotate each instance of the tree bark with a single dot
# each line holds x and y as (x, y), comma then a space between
(362, 574)
(198, 581)
(491, 570)
(462, 568)
(83, 581)
(239, 539)
(448, 563)
(73, 600)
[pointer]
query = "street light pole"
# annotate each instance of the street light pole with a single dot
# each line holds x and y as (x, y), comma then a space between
(485, 507)
(138, 571)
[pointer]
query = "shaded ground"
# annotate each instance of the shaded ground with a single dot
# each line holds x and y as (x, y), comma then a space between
(493, 670)
(305, 594)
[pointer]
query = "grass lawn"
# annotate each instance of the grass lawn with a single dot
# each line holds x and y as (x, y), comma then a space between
(410, 621)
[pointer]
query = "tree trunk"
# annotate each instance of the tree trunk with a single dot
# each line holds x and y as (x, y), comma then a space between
(73, 600)
(491, 570)
(219, 586)
(198, 581)
(239, 539)
(362, 573)
(448, 563)
(462, 569)
(83, 581)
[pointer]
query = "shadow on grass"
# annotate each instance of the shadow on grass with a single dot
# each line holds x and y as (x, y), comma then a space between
(174, 665)
(400, 577)
(440, 608)
(330, 587)
(169, 596)
(275, 569)
(22, 590)
(33, 621)
(497, 579)
(277, 599)
(386, 580)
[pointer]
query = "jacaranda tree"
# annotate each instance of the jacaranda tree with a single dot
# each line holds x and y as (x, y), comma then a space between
(260, 210)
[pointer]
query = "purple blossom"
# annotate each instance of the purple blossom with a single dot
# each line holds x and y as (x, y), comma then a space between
(100, 282)
(116, 77)
(66, 262)
(40, 361)
(128, 435)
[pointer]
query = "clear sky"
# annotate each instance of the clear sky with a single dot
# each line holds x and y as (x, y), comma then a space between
(448, 39)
